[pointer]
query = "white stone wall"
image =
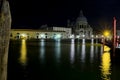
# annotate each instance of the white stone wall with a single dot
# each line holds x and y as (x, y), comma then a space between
(35, 34)
(68, 31)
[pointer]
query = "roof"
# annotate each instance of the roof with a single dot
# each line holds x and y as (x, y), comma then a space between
(35, 30)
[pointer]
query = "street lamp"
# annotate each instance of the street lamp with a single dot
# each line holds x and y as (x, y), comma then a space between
(106, 33)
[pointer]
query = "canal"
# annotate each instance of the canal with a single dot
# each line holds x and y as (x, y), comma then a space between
(59, 60)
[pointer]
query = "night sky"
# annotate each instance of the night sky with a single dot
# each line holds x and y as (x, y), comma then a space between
(34, 13)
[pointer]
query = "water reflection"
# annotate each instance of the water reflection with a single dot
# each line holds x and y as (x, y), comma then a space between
(57, 50)
(92, 41)
(42, 50)
(105, 64)
(72, 51)
(96, 51)
(83, 51)
(23, 56)
(91, 52)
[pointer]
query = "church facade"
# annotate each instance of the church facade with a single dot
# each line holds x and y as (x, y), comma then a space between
(81, 28)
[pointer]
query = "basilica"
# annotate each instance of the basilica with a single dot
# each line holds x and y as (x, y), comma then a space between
(80, 27)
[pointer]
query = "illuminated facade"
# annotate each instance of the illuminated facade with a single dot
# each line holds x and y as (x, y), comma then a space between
(81, 27)
(36, 34)
(68, 31)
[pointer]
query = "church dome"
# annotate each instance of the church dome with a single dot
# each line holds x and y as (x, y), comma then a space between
(81, 20)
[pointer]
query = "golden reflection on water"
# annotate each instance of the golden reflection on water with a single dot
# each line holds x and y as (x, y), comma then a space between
(105, 64)
(23, 53)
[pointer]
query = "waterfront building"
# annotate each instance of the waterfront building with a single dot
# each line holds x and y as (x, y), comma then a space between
(68, 31)
(36, 34)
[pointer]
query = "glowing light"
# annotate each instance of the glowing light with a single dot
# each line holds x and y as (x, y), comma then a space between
(77, 36)
(102, 36)
(106, 33)
(92, 36)
(42, 35)
(23, 36)
(72, 36)
(105, 66)
(23, 56)
(58, 36)
(83, 35)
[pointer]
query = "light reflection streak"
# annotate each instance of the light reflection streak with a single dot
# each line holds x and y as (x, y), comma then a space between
(42, 50)
(72, 40)
(92, 41)
(23, 56)
(57, 51)
(105, 64)
(91, 52)
(72, 52)
(96, 51)
(83, 51)
(83, 41)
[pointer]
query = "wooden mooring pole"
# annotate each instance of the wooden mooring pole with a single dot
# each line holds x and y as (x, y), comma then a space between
(114, 35)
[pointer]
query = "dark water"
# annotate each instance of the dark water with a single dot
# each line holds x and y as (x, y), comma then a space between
(41, 60)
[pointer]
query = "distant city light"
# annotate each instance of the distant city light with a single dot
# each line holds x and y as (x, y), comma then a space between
(92, 36)
(102, 36)
(77, 36)
(72, 36)
(83, 35)
(42, 35)
(106, 33)
(23, 36)
(57, 36)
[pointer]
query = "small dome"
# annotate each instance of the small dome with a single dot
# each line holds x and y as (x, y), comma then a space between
(81, 20)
